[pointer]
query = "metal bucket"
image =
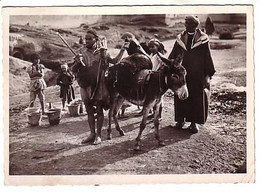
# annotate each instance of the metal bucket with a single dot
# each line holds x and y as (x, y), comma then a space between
(34, 118)
(54, 116)
(81, 106)
(31, 110)
(74, 109)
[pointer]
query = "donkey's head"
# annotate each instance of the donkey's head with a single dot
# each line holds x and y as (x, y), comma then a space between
(176, 77)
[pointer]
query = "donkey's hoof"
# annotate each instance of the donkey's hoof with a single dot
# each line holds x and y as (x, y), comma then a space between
(109, 137)
(122, 133)
(97, 141)
(161, 143)
(137, 148)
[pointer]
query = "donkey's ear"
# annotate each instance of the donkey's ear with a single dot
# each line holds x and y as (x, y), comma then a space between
(70, 64)
(165, 60)
(178, 60)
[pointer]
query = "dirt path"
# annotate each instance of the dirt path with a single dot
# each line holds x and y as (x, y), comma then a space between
(219, 147)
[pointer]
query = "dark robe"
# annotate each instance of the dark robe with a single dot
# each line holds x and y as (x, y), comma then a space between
(65, 81)
(140, 49)
(198, 63)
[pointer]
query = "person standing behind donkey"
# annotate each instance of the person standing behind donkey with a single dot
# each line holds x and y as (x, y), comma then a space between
(65, 81)
(156, 47)
(37, 84)
(194, 45)
(133, 44)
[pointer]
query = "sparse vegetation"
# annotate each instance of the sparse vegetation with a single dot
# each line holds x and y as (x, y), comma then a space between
(220, 28)
(14, 29)
(226, 35)
(221, 45)
(150, 29)
(101, 27)
(84, 26)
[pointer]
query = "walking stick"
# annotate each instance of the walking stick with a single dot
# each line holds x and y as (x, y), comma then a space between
(66, 43)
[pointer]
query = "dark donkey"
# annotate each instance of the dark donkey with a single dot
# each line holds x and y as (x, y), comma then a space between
(124, 83)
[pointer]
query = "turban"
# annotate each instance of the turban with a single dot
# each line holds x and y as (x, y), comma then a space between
(64, 66)
(193, 18)
(154, 42)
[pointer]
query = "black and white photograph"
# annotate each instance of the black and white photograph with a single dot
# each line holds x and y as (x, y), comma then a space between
(118, 94)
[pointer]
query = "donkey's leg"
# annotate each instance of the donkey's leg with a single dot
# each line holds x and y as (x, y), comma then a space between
(156, 123)
(85, 93)
(146, 109)
(119, 102)
(100, 119)
(110, 113)
(115, 105)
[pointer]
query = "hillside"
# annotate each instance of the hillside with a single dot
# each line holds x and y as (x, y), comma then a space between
(45, 41)
(39, 37)
(26, 39)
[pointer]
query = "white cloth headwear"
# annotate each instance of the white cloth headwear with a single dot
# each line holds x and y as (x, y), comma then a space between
(64, 66)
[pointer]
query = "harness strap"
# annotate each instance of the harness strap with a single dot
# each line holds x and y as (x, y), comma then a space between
(141, 83)
(160, 83)
(166, 80)
(36, 78)
(114, 83)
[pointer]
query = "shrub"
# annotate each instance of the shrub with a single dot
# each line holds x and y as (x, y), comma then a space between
(101, 27)
(14, 29)
(149, 29)
(226, 36)
(84, 26)
(221, 45)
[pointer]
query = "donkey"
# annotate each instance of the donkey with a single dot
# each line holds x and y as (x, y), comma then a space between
(123, 84)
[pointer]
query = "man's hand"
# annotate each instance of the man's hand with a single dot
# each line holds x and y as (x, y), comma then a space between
(126, 45)
(78, 58)
(206, 81)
